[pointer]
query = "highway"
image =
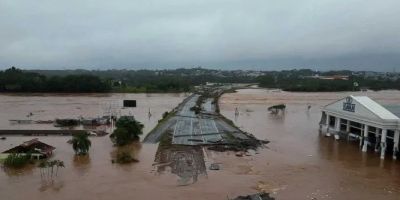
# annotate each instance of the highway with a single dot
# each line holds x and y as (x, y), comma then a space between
(187, 128)
(194, 130)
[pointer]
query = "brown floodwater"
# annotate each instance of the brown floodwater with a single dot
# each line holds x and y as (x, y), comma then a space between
(299, 163)
(49, 107)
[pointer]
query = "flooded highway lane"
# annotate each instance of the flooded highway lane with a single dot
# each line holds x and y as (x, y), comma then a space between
(299, 163)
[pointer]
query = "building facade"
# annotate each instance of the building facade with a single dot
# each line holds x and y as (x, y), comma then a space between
(361, 119)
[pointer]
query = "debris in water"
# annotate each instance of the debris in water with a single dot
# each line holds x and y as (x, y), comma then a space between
(239, 154)
(276, 108)
(214, 166)
(258, 196)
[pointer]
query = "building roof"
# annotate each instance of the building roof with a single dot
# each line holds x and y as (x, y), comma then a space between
(375, 107)
(363, 108)
(395, 109)
(33, 145)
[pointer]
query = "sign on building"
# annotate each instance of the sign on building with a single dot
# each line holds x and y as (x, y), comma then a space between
(348, 105)
(129, 103)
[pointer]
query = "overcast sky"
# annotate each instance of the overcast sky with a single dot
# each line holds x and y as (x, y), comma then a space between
(226, 34)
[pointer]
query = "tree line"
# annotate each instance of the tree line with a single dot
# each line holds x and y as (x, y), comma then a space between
(301, 81)
(171, 80)
(16, 80)
(181, 80)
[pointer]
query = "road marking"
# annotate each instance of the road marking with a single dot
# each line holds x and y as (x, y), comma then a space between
(173, 135)
(215, 126)
(191, 131)
(201, 131)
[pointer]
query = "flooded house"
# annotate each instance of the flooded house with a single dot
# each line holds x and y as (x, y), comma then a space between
(34, 147)
(359, 118)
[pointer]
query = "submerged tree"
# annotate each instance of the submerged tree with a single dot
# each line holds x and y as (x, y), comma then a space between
(15, 160)
(42, 165)
(59, 164)
(276, 108)
(47, 168)
(81, 143)
(128, 130)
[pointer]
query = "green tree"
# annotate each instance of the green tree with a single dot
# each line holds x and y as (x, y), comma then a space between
(81, 143)
(128, 130)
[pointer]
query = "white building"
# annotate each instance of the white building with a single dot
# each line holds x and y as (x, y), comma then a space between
(362, 119)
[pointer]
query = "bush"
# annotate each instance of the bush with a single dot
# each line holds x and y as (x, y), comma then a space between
(165, 114)
(128, 130)
(16, 160)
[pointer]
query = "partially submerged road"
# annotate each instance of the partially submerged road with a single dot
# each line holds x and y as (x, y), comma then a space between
(183, 134)
(189, 128)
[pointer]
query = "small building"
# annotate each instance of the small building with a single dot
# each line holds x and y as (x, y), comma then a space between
(33, 147)
(361, 119)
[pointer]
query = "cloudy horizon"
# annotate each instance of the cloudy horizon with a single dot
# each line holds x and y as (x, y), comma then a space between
(224, 34)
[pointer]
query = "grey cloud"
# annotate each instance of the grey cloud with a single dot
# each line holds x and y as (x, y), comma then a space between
(257, 34)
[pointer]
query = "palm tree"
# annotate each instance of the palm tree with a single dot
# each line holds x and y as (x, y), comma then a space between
(59, 164)
(42, 165)
(81, 143)
(52, 164)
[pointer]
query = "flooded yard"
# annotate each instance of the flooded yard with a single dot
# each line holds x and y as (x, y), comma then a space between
(298, 163)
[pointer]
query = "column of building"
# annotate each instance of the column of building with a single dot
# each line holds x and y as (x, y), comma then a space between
(327, 125)
(337, 127)
(365, 146)
(396, 143)
(383, 143)
(377, 141)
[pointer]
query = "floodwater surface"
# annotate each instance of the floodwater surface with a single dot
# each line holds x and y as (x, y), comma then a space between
(298, 163)
(301, 163)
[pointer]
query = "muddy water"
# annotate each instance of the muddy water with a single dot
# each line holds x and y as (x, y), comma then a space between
(50, 107)
(298, 165)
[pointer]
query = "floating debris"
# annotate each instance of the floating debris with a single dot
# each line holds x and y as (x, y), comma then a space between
(20, 121)
(239, 154)
(44, 121)
(276, 108)
(214, 166)
(258, 196)
(67, 122)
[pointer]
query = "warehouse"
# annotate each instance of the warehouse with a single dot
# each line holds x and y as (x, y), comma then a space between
(359, 118)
